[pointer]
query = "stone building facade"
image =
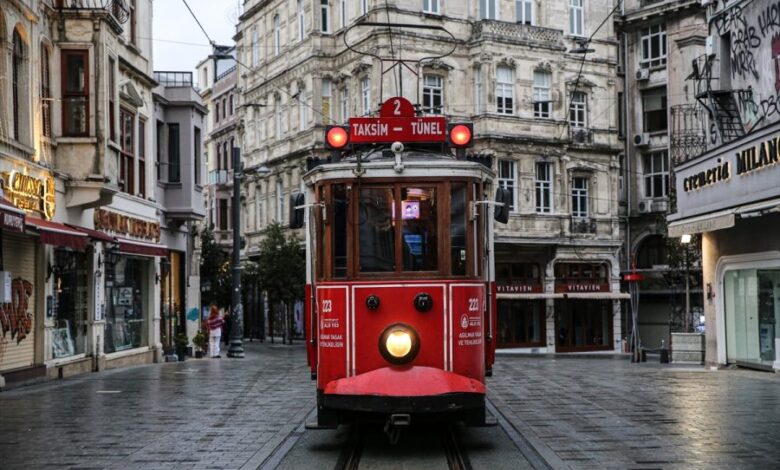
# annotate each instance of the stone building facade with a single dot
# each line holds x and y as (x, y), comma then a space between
(662, 122)
(83, 234)
(542, 110)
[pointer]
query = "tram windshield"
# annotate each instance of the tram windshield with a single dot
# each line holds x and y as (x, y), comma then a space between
(421, 227)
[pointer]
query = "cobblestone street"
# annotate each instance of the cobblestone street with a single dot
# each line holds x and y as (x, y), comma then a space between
(576, 413)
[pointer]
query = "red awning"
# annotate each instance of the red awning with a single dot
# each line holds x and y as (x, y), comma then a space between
(11, 217)
(94, 234)
(134, 247)
(57, 234)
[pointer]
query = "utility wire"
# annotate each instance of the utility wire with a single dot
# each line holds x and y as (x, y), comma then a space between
(392, 50)
(198, 21)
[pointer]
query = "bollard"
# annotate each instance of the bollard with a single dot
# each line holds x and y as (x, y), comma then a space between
(644, 355)
(664, 356)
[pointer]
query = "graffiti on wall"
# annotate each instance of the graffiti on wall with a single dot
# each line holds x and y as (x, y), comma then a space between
(14, 317)
(753, 31)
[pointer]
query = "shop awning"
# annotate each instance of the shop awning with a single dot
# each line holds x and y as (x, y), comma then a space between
(515, 296)
(583, 295)
(94, 234)
(703, 223)
(11, 217)
(57, 234)
(134, 247)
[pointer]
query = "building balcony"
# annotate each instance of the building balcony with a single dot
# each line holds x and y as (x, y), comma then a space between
(518, 33)
(580, 135)
(220, 177)
(582, 225)
(116, 12)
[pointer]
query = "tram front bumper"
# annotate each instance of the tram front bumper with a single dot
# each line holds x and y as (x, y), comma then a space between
(407, 389)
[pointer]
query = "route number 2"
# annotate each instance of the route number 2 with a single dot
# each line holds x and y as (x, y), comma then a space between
(327, 305)
(397, 110)
(473, 304)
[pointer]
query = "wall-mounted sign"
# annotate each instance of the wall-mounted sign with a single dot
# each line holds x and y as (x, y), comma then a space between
(580, 287)
(125, 225)
(710, 176)
(511, 288)
(30, 193)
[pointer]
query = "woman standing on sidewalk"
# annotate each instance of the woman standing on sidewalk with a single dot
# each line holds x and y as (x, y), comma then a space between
(215, 324)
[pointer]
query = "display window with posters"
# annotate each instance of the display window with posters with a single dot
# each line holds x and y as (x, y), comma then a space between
(67, 305)
(126, 298)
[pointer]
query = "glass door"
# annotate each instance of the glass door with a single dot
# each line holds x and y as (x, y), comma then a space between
(752, 302)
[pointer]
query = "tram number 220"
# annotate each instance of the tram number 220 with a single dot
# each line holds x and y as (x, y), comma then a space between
(327, 305)
(473, 304)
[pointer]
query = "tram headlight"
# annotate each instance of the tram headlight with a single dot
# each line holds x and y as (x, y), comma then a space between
(399, 343)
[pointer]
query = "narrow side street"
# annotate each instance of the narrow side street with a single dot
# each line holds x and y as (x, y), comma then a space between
(574, 413)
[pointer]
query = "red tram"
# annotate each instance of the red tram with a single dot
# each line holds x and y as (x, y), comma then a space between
(400, 296)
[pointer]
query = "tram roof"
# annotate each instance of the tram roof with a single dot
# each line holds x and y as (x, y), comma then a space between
(380, 163)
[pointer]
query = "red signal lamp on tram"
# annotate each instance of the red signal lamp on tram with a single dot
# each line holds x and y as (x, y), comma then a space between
(336, 137)
(460, 136)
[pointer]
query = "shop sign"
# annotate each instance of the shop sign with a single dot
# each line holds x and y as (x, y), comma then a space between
(126, 225)
(13, 221)
(761, 156)
(14, 317)
(581, 287)
(30, 193)
(519, 288)
(710, 176)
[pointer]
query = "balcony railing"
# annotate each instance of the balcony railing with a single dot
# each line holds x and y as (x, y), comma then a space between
(520, 32)
(689, 140)
(580, 135)
(117, 8)
(218, 177)
(583, 225)
(174, 79)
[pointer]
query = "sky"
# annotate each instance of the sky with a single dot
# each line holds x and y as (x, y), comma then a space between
(178, 42)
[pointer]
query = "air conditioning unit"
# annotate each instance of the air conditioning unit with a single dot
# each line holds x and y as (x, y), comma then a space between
(645, 207)
(643, 74)
(642, 140)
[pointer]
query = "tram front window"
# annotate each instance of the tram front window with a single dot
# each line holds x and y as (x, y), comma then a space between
(377, 230)
(418, 229)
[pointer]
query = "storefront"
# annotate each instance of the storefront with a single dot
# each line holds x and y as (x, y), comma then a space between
(521, 306)
(584, 307)
(732, 197)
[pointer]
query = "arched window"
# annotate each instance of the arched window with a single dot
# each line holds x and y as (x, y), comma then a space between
(45, 92)
(652, 252)
(17, 81)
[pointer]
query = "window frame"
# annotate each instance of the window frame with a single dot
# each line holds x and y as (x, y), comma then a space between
(502, 87)
(542, 95)
(651, 173)
(325, 16)
(174, 151)
(344, 104)
(255, 47)
(577, 18)
(544, 185)
(523, 8)
(576, 108)
(277, 35)
(141, 153)
(646, 37)
(508, 182)
(301, 19)
(67, 95)
(326, 95)
(479, 86)
(485, 10)
(342, 14)
(127, 150)
(432, 7)
(658, 113)
(580, 197)
(46, 96)
(430, 92)
(365, 95)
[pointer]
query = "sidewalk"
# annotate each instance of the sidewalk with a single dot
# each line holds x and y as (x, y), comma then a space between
(201, 413)
(592, 413)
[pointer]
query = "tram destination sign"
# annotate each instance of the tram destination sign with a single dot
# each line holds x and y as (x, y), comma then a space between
(400, 129)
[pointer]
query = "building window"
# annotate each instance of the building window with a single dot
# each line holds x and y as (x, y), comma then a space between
(652, 252)
(488, 9)
(577, 111)
(196, 143)
(576, 19)
(653, 46)
(279, 119)
(131, 6)
(365, 92)
(230, 105)
(222, 214)
(542, 101)
(255, 48)
(656, 168)
(325, 15)
(579, 197)
(431, 6)
(159, 149)
(258, 210)
(141, 157)
(478, 90)
(127, 153)
(19, 81)
(344, 104)
(301, 18)
(654, 110)
(111, 99)
(127, 321)
(433, 87)
(303, 122)
(525, 11)
(507, 179)
(277, 35)
(174, 154)
(342, 13)
(505, 92)
(363, 7)
(543, 185)
(224, 108)
(621, 105)
(226, 160)
(216, 111)
(46, 99)
(75, 93)
(326, 92)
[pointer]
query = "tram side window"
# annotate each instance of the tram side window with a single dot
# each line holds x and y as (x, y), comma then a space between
(418, 229)
(458, 248)
(376, 230)
(339, 231)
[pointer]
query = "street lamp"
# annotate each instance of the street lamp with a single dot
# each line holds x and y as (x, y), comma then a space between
(685, 239)
(236, 348)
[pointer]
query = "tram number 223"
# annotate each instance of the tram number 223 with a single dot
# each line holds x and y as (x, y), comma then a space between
(473, 304)
(327, 305)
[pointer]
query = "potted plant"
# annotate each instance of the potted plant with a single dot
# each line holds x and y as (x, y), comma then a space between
(202, 343)
(180, 341)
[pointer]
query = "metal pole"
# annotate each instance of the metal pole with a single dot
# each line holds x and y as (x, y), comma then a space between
(688, 318)
(237, 331)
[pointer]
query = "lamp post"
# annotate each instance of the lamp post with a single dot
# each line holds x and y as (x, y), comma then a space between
(686, 240)
(236, 348)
